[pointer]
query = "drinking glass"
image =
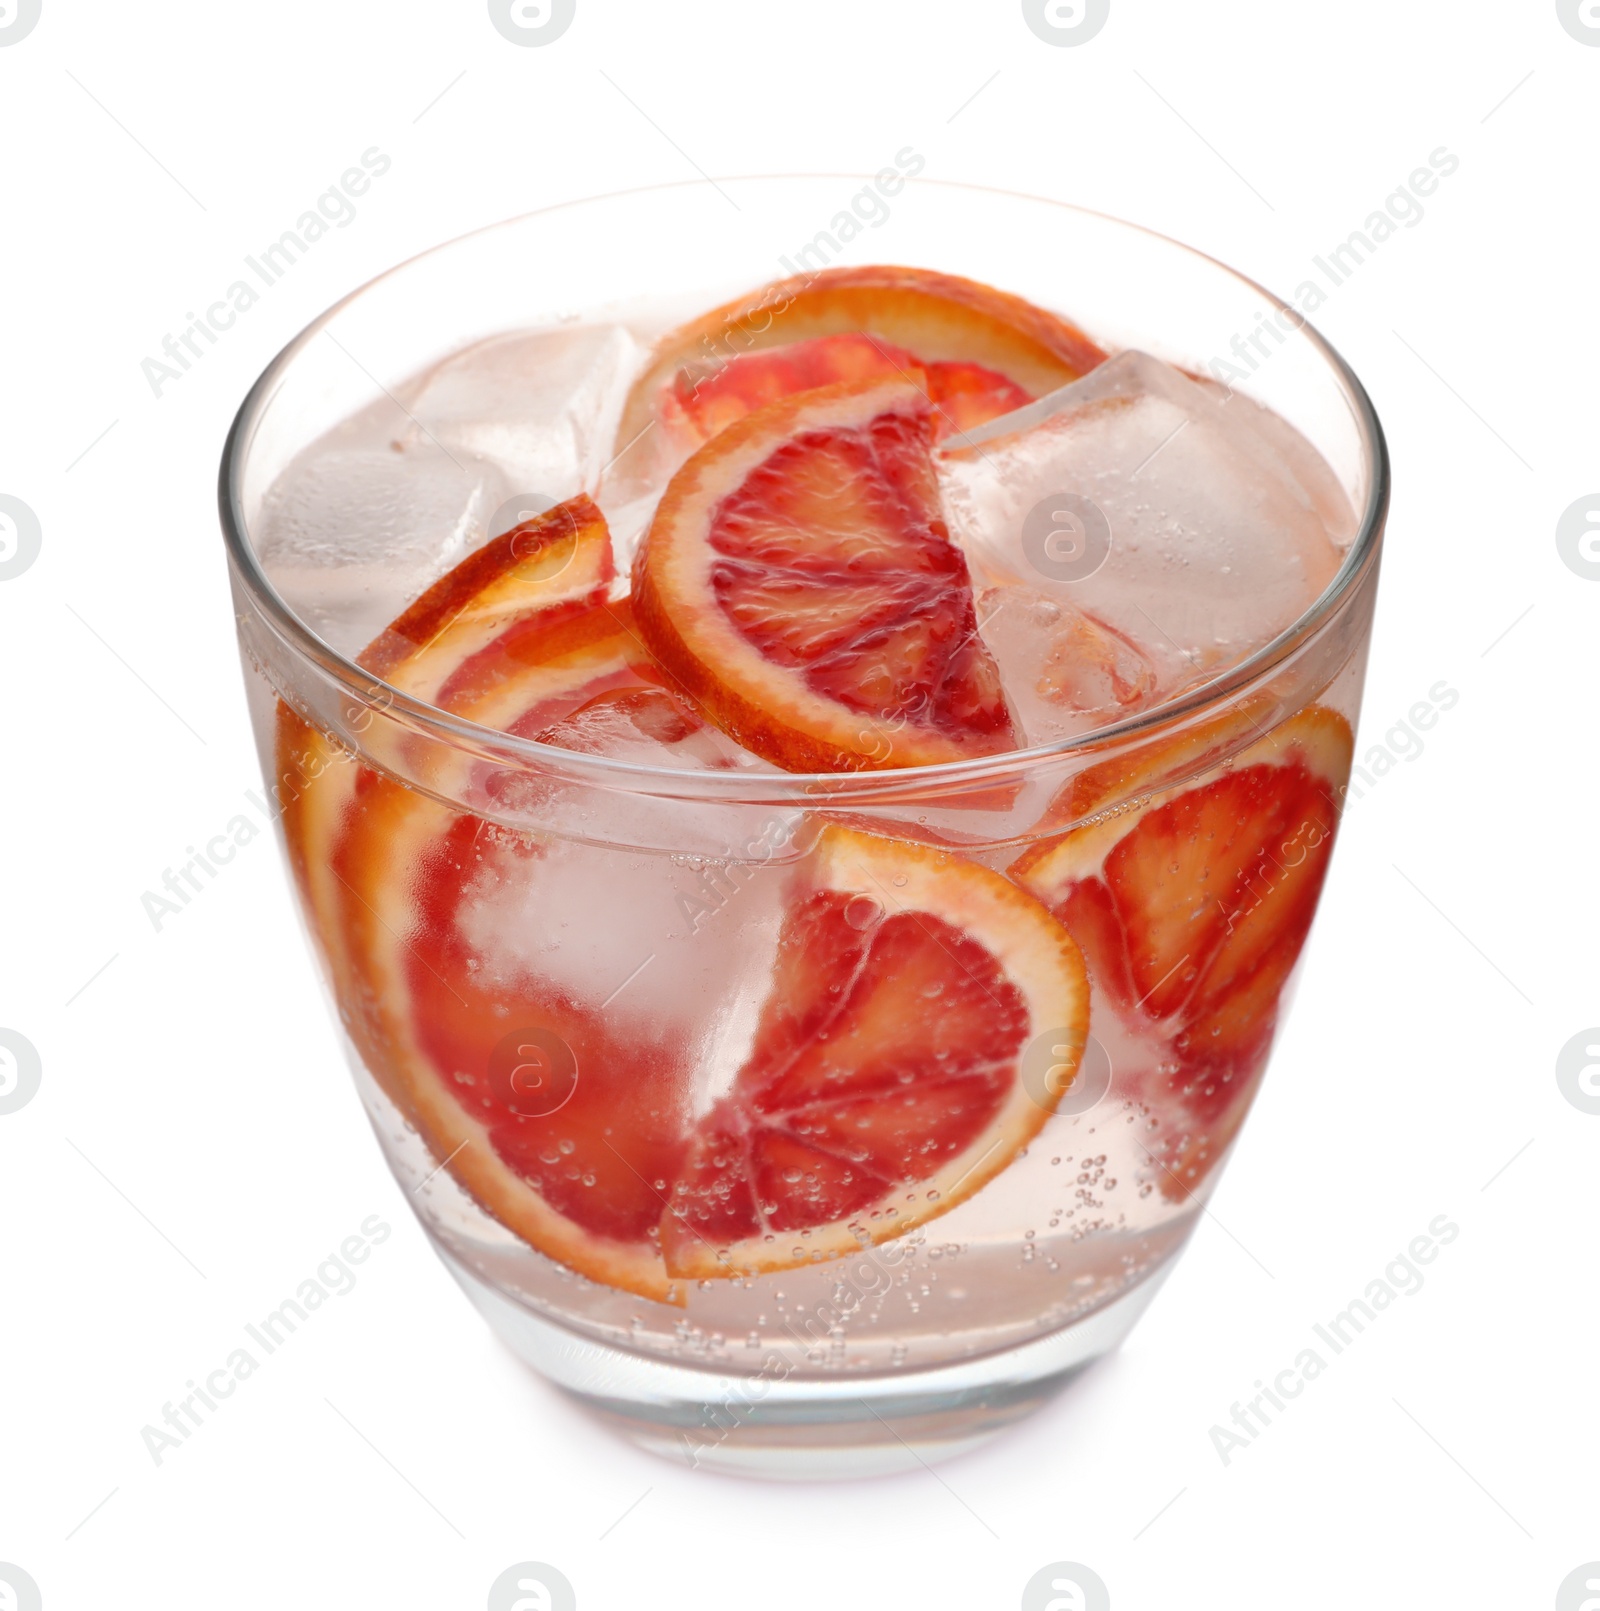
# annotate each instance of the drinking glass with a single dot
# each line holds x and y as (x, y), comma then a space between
(901, 1348)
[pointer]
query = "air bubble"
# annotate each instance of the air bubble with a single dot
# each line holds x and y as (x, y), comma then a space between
(862, 911)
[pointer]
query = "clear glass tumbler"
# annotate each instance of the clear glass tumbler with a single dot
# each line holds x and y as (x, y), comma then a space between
(653, 895)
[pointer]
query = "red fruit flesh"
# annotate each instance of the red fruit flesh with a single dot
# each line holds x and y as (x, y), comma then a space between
(963, 395)
(857, 1082)
(799, 582)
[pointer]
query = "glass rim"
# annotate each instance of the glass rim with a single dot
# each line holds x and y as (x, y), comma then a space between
(792, 787)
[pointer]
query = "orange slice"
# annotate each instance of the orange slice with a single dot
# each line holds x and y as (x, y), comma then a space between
(799, 582)
(544, 568)
(1192, 906)
(518, 637)
(555, 1120)
(1167, 757)
(711, 399)
(971, 330)
(556, 565)
(577, 1129)
(884, 1084)
(698, 403)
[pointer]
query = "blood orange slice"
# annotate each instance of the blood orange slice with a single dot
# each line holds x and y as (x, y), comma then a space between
(557, 1119)
(578, 1128)
(799, 582)
(970, 331)
(545, 568)
(1192, 907)
(519, 637)
(884, 1083)
(711, 398)
(965, 396)
(542, 571)
(700, 402)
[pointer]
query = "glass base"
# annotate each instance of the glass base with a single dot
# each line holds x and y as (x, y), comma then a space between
(800, 1429)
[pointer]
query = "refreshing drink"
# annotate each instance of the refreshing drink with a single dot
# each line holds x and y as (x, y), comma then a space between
(810, 812)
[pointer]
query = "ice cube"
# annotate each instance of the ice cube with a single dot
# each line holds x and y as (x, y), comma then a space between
(647, 726)
(626, 716)
(542, 405)
(667, 950)
(1064, 671)
(1298, 457)
(1159, 507)
(680, 942)
(629, 511)
(358, 525)
(634, 481)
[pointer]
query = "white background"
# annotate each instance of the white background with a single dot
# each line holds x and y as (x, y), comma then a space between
(1446, 1458)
